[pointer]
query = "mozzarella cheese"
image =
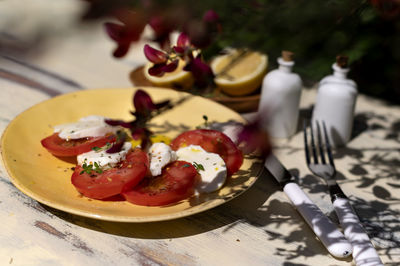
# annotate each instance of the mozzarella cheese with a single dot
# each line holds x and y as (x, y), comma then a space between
(104, 159)
(90, 126)
(210, 166)
(160, 155)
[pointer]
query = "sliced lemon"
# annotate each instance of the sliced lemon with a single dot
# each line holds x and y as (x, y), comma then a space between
(178, 79)
(239, 72)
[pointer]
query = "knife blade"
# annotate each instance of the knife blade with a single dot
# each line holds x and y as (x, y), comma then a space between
(329, 234)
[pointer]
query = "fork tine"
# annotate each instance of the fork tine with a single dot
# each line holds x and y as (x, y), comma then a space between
(314, 150)
(327, 144)
(307, 151)
(320, 144)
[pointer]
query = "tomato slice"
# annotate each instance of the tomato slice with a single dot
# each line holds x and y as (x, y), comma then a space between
(112, 181)
(212, 141)
(175, 183)
(61, 147)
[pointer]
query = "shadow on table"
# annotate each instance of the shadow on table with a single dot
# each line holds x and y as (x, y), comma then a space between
(277, 220)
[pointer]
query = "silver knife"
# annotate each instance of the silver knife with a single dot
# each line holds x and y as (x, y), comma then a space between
(323, 227)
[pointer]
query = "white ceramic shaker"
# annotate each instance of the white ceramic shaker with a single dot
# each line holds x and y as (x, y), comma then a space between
(335, 103)
(280, 98)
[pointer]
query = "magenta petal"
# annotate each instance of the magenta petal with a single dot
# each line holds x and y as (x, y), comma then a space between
(121, 123)
(157, 70)
(178, 49)
(199, 69)
(155, 56)
(143, 102)
(114, 30)
(121, 50)
(253, 137)
(171, 66)
(211, 16)
(117, 146)
(183, 40)
(143, 134)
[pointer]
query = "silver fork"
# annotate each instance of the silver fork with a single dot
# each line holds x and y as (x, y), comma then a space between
(364, 252)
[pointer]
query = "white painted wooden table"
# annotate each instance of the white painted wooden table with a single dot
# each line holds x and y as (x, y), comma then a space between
(259, 227)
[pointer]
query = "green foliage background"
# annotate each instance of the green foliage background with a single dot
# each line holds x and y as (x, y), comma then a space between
(316, 31)
(367, 31)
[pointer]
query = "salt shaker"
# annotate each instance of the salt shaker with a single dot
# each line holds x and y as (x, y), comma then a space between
(335, 103)
(280, 98)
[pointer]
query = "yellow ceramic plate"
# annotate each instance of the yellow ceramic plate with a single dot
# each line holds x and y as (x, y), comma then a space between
(46, 178)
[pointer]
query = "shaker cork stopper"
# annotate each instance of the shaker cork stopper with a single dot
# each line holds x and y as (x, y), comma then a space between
(287, 56)
(342, 61)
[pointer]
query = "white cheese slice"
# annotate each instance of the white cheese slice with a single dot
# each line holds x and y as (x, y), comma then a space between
(210, 166)
(160, 155)
(104, 159)
(90, 126)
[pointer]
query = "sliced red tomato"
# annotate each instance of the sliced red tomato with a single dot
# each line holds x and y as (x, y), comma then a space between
(212, 141)
(175, 183)
(113, 181)
(61, 147)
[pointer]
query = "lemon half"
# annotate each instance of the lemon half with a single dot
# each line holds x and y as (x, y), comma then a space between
(178, 79)
(239, 72)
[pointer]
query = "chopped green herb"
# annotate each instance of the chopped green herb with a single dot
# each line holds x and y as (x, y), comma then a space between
(88, 168)
(198, 166)
(205, 120)
(205, 124)
(186, 165)
(96, 148)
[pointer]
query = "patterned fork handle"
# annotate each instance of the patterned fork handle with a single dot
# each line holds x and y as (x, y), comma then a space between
(364, 252)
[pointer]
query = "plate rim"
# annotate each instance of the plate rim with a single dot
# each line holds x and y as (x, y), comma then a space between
(113, 218)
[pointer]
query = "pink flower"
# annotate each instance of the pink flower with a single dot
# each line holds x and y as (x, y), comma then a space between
(144, 108)
(160, 60)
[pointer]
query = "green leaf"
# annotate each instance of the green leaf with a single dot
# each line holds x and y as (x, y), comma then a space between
(198, 166)
(96, 149)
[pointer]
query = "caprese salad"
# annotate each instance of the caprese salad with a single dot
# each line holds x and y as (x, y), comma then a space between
(196, 161)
